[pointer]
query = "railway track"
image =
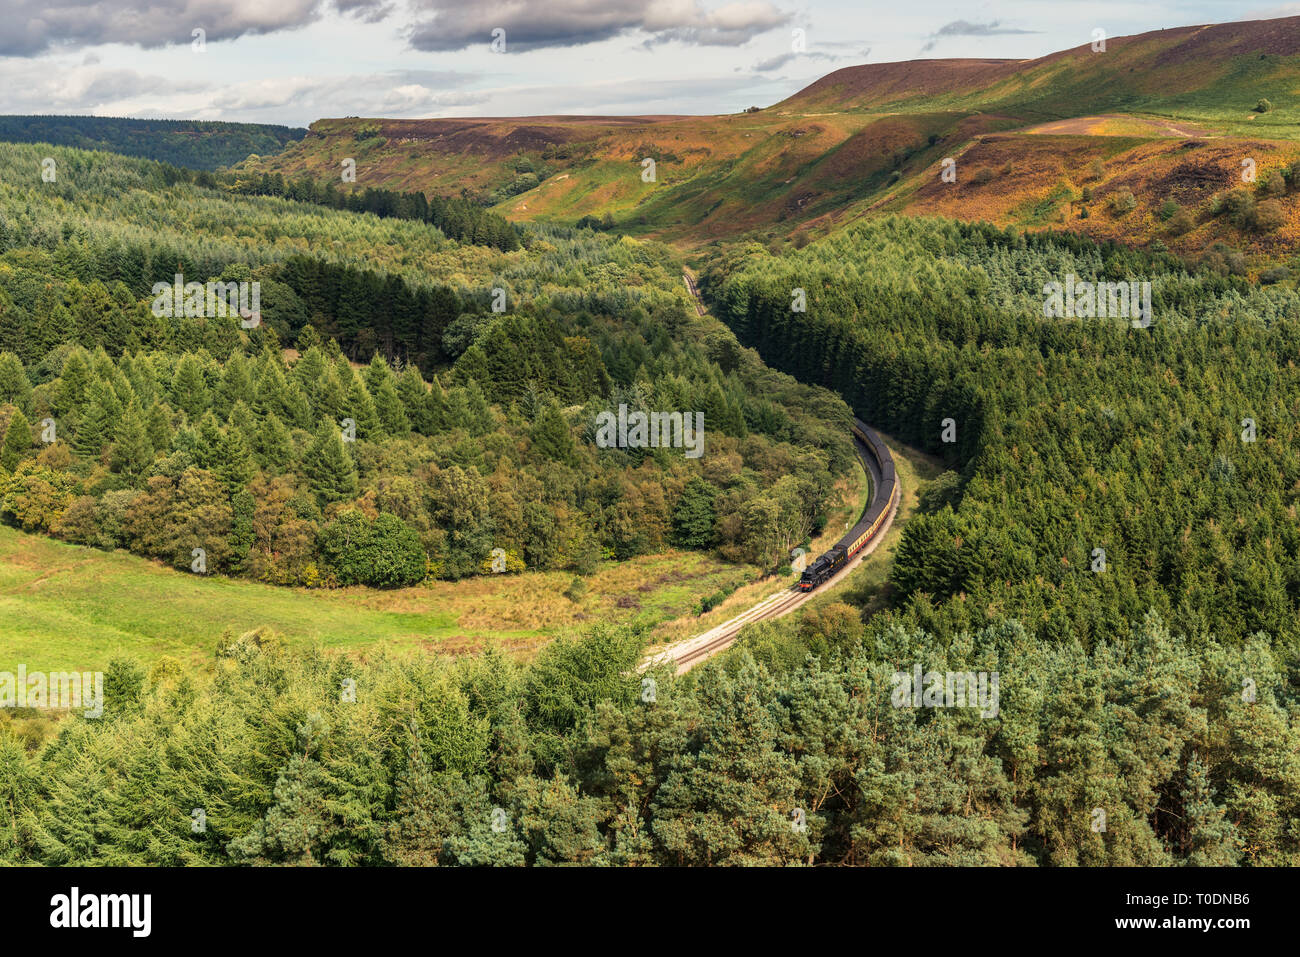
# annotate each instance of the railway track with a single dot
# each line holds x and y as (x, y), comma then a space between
(691, 651)
(688, 653)
(693, 289)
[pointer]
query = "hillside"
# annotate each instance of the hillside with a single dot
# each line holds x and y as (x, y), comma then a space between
(1214, 73)
(194, 144)
(1169, 114)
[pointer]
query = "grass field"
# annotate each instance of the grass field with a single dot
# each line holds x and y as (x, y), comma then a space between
(68, 607)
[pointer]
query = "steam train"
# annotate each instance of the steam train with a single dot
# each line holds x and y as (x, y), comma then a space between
(884, 491)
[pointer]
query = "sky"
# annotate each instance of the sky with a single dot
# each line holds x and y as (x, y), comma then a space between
(295, 61)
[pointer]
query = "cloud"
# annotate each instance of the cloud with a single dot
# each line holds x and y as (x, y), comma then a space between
(44, 86)
(457, 24)
(776, 62)
(33, 87)
(1273, 13)
(32, 27)
(964, 28)
(396, 93)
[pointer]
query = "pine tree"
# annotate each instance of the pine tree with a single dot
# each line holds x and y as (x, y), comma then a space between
(243, 510)
(99, 425)
(478, 417)
(309, 372)
(15, 387)
(273, 444)
(241, 417)
(360, 408)
(158, 426)
(415, 400)
(13, 328)
(269, 396)
(551, 437)
(237, 378)
(56, 328)
(391, 410)
(437, 413)
(376, 374)
(206, 451)
(74, 383)
(331, 396)
(328, 467)
(189, 389)
(1211, 838)
(18, 441)
(234, 466)
(132, 450)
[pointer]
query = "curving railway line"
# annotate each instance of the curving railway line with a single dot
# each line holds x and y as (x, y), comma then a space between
(827, 570)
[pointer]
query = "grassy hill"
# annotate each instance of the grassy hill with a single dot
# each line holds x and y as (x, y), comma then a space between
(1214, 74)
(1169, 114)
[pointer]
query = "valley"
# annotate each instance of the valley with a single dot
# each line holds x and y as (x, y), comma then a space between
(410, 568)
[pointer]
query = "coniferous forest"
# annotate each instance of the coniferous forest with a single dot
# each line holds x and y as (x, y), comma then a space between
(236, 382)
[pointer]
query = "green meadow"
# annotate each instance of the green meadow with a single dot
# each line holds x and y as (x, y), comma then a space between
(70, 607)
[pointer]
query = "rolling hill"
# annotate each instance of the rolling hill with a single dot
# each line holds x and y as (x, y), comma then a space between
(1169, 114)
(194, 144)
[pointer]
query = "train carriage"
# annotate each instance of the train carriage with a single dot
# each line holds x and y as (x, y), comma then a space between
(884, 493)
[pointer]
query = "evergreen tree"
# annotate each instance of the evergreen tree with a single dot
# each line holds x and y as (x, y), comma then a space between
(243, 511)
(234, 465)
(415, 400)
(189, 390)
(132, 449)
(15, 387)
(18, 441)
(391, 410)
(273, 445)
(1212, 839)
(694, 516)
(206, 451)
(98, 426)
(74, 383)
(328, 467)
(360, 407)
(158, 426)
(551, 437)
(13, 328)
(331, 396)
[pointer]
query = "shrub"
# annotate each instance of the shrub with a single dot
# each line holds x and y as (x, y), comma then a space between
(1122, 202)
(982, 176)
(1263, 106)
(1169, 209)
(385, 553)
(1269, 215)
(576, 590)
(1274, 184)
(1239, 206)
(1181, 222)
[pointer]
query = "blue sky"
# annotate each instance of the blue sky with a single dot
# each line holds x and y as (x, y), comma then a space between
(293, 61)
